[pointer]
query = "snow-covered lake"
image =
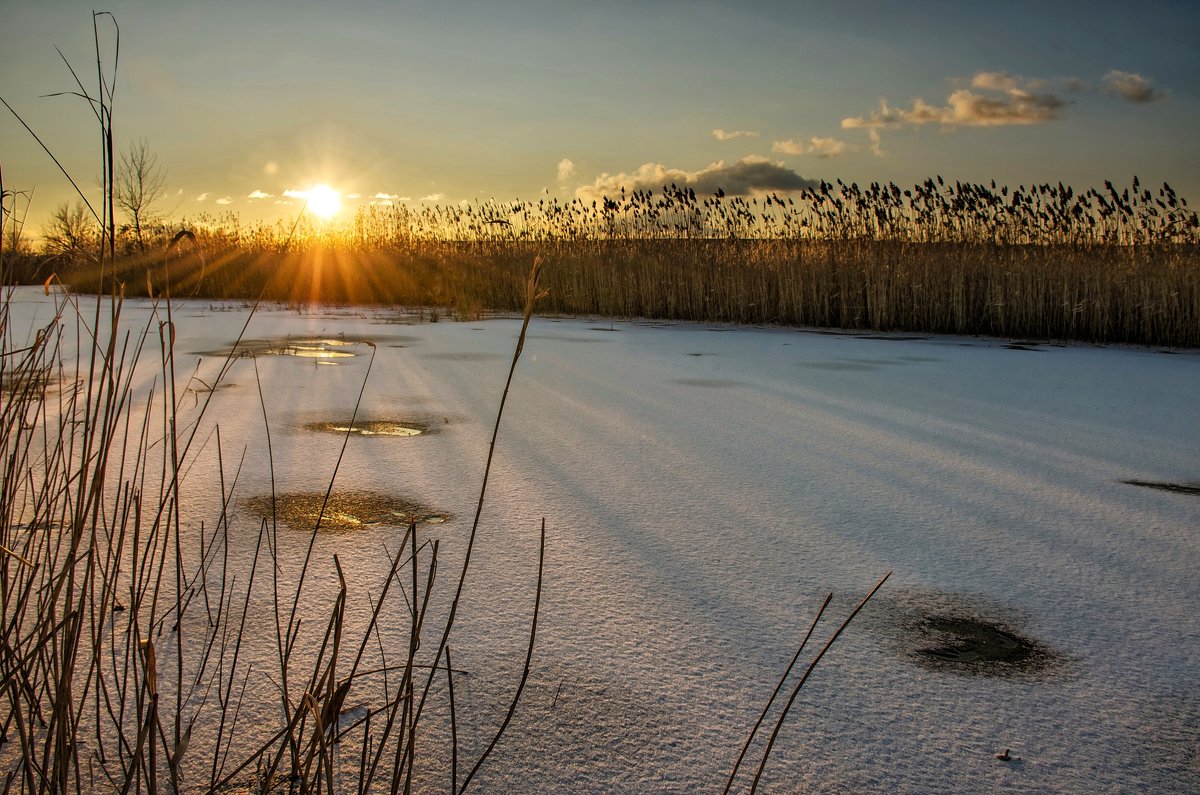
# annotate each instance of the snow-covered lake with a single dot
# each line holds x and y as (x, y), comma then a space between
(705, 487)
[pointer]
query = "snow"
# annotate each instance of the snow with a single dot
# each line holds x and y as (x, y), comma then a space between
(704, 488)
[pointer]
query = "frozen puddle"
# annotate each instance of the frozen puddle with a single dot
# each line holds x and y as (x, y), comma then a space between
(345, 511)
(976, 646)
(24, 380)
(961, 634)
(323, 348)
(371, 428)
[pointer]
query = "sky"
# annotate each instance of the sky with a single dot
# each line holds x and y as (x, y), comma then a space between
(247, 106)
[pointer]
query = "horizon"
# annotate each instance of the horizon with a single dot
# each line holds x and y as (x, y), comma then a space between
(248, 109)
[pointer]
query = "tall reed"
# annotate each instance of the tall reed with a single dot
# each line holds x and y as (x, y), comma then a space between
(124, 632)
(1041, 261)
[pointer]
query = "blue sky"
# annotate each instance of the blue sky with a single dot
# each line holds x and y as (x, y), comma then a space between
(446, 101)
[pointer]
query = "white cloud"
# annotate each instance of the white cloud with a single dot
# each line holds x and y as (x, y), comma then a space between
(789, 147)
(829, 147)
(1132, 87)
(433, 197)
(385, 196)
(203, 197)
(353, 195)
(995, 81)
(876, 145)
(730, 135)
(1008, 100)
(295, 194)
(740, 178)
(225, 200)
(258, 194)
(821, 147)
(566, 169)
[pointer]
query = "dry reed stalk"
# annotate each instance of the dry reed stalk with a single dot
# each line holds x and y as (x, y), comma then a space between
(1038, 261)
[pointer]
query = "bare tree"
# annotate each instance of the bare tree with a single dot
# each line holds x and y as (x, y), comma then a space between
(72, 232)
(12, 227)
(140, 182)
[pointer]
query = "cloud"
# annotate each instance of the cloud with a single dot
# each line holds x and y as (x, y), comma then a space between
(295, 194)
(566, 169)
(203, 197)
(225, 200)
(258, 194)
(387, 199)
(821, 147)
(729, 135)
(353, 195)
(1132, 87)
(433, 197)
(271, 167)
(995, 81)
(830, 147)
(746, 175)
(789, 147)
(876, 145)
(1007, 100)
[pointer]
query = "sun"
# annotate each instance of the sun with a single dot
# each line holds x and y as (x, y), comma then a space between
(324, 202)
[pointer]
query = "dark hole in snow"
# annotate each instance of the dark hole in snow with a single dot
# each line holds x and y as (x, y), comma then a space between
(889, 337)
(963, 634)
(557, 338)
(972, 640)
(712, 383)
(464, 356)
(842, 367)
(1178, 488)
(346, 511)
(971, 645)
(199, 387)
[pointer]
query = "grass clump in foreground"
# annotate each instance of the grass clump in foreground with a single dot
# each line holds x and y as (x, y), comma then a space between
(124, 624)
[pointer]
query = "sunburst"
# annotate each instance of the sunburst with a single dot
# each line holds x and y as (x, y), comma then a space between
(323, 201)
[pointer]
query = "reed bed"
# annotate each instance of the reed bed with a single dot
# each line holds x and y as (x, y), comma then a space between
(1044, 262)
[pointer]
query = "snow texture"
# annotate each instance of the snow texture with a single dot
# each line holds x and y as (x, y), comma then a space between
(705, 487)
